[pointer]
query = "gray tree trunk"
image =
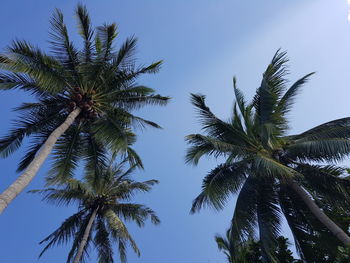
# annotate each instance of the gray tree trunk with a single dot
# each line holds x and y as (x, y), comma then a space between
(320, 215)
(22, 181)
(85, 237)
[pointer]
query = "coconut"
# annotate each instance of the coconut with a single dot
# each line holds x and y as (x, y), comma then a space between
(78, 97)
(86, 106)
(72, 104)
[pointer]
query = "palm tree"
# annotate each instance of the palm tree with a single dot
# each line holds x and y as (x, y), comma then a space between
(227, 245)
(250, 250)
(245, 252)
(273, 172)
(103, 203)
(84, 98)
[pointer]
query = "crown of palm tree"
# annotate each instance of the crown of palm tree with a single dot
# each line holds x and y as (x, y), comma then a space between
(107, 196)
(98, 80)
(263, 162)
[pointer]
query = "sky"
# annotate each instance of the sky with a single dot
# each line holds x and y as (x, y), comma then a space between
(203, 43)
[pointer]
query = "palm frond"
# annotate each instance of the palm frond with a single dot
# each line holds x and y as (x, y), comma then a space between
(66, 154)
(333, 129)
(135, 121)
(228, 245)
(95, 158)
(239, 97)
(206, 145)
(332, 149)
(136, 101)
(120, 233)
(268, 219)
(72, 191)
(65, 232)
(61, 45)
(244, 222)
(285, 103)
(47, 72)
(125, 55)
(150, 69)
(106, 35)
(215, 127)
(271, 167)
(85, 30)
(102, 243)
(134, 159)
(21, 81)
(271, 87)
(219, 184)
(127, 189)
(136, 212)
(112, 132)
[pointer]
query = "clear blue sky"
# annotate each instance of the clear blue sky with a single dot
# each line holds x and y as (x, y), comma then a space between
(204, 43)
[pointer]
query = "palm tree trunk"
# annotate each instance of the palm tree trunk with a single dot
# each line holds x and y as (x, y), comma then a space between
(22, 181)
(85, 237)
(319, 214)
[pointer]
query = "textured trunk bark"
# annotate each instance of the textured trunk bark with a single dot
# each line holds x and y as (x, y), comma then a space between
(320, 215)
(85, 237)
(22, 181)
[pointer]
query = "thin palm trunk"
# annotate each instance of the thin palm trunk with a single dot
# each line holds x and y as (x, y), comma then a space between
(22, 181)
(320, 215)
(85, 237)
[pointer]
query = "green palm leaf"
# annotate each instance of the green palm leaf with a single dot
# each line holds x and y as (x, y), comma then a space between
(85, 31)
(219, 184)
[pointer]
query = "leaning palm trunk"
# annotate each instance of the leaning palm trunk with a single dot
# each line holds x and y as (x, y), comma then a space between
(85, 237)
(320, 215)
(22, 181)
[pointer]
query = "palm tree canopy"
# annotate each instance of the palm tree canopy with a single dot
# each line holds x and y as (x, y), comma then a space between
(98, 79)
(109, 193)
(262, 158)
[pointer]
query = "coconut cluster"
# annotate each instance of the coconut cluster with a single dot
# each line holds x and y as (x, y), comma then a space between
(83, 101)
